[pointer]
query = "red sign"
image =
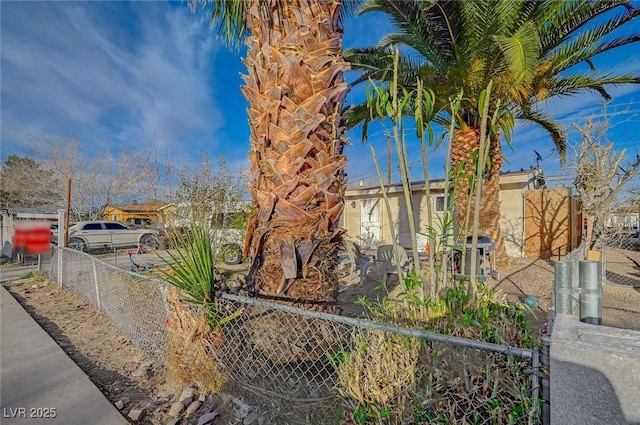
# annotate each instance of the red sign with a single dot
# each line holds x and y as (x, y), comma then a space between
(32, 237)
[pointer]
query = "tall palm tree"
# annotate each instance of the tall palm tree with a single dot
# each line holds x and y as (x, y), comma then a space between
(295, 89)
(530, 49)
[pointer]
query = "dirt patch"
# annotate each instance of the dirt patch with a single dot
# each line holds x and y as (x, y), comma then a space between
(114, 364)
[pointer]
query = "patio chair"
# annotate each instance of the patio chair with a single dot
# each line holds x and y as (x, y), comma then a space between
(386, 257)
(359, 261)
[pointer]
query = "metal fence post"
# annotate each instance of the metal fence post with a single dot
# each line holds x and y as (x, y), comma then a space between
(563, 289)
(545, 381)
(535, 380)
(603, 260)
(60, 246)
(591, 292)
(95, 279)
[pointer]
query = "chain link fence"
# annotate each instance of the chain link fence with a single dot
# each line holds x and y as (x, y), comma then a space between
(622, 260)
(317, 368)
(134, 303)
(304, 367)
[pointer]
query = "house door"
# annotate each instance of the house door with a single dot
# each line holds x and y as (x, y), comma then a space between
(369, 223)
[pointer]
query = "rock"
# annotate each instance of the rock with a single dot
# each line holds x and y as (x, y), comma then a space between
(187, 401)
(119, 404)
(251, 419)
(139, 372)
(162, 400)
(206, 418)
(143, 369)
(242, 409)
(176, 408)
(202, 398)
(187, 393)
(35, 286)
(193, 407)
(134, 414)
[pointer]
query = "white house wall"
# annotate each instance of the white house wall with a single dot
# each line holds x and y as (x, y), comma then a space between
(512, 210)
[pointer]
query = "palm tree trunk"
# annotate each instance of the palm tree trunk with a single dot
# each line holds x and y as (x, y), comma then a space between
(465, 144)
(295, 89)
(491, 204)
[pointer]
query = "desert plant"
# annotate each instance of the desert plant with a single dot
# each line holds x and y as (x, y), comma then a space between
(392, 103)
(375, 375)
(191, 344)
(191, 268)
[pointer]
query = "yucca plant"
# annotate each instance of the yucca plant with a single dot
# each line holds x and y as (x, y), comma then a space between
(190, 268)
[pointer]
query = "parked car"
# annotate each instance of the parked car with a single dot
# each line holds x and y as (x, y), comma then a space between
(227, 243)
(85, 235)
(230, 243)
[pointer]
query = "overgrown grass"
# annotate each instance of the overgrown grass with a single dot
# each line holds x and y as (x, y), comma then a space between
(488, 316)
(389, 378)
(37, 275)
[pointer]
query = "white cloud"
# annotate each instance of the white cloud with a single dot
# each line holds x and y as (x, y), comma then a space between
(106, 71)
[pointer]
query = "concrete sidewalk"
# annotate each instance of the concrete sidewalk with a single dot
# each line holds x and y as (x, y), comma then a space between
(39, 382)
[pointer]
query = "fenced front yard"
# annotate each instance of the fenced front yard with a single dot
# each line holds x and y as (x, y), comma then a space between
(311, 367)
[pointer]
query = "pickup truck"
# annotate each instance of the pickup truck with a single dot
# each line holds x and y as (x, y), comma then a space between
(227, 242)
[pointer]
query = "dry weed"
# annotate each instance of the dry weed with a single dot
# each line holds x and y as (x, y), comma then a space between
(379, 369)
(192, 345)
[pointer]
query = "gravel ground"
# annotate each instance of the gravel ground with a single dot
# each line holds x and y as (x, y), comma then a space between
(620, 303)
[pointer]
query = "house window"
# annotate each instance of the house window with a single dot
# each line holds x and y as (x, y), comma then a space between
(440, 203)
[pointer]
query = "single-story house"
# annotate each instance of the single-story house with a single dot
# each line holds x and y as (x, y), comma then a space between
(139, 214)
(366, 220)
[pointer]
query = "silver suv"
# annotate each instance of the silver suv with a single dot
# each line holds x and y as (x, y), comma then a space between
(86, 235)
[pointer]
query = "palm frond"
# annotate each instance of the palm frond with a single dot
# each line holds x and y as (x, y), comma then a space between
(420, 26)
(556, 131)
(229, 17)
(572, 54)
(566, 17)
(521, 52)
(575, 83)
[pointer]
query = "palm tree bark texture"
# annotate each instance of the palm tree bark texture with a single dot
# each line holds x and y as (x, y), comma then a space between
(295, 90)
(466, 143)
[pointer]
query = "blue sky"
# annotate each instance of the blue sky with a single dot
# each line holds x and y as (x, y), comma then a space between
(127, 73)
